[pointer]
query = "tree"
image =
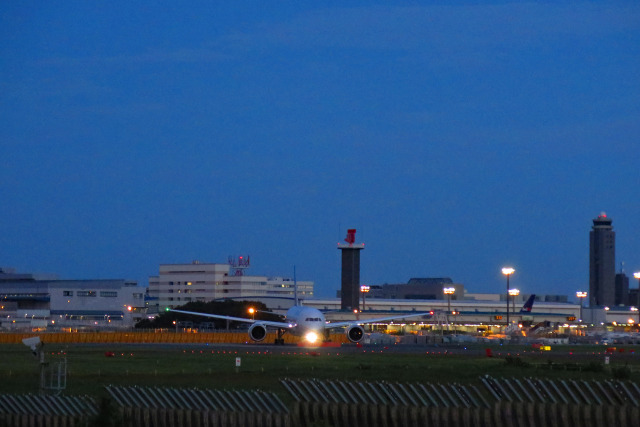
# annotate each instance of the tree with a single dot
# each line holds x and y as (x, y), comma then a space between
(232, 308)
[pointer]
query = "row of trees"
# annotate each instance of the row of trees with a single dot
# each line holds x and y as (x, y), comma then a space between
(231, 308)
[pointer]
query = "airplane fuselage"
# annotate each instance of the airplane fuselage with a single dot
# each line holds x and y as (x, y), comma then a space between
(305, 320)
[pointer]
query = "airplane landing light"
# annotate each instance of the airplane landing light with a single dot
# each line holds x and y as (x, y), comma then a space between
(311, 337)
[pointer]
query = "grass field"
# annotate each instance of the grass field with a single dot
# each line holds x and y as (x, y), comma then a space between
(201, 366)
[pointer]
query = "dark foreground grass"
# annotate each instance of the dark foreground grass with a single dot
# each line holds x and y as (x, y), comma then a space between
(89, 370)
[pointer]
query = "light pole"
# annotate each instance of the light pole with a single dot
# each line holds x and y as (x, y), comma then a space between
(637, 276)
(364, 289)
(252, 312)
(448, 292)
(508, 271)
(514, 293)
(581, 296)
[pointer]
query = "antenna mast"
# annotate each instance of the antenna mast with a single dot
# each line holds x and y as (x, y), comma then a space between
(239, 265)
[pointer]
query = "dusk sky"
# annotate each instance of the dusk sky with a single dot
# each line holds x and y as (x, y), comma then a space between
(456, 137)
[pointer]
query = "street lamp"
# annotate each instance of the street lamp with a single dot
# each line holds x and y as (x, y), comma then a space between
(581, 296)
(508, 271)
(364, 289)
(448, 292)
(252, 312)
(514, 293)
(637, 276)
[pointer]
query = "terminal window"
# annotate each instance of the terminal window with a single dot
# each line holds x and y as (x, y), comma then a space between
(109, 294)
(67, 293)
(86, 293)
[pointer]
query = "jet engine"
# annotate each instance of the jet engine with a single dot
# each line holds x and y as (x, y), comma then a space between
(355, 333)
(257, 332)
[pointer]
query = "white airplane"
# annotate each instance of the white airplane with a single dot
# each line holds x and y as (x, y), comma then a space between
(307, 322)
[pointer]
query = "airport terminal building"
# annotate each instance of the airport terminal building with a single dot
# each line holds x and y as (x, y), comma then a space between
(38, 302)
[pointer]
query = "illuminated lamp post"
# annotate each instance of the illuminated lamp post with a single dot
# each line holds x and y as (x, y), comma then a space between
(252, 312)
(637, 276)
(514, 293)
(581, 296)
(508, 271)
(364, 290)
(448, 292)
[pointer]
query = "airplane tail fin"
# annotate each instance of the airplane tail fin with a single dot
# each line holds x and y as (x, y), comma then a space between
(526, 308)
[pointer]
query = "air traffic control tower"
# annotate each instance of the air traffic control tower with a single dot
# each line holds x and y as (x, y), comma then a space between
(350, 292)
(602, 262)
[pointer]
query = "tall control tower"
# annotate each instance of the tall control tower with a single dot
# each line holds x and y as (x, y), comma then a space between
(350, 293)
(602, 261)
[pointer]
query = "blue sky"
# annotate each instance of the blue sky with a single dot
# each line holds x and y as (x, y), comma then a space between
(456, 137)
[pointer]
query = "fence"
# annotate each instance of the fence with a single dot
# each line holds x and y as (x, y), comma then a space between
(152, 407)
(498, 402)
(32, 410)
(500, 414)
(149, 337)
(502, 402)
(564, 391)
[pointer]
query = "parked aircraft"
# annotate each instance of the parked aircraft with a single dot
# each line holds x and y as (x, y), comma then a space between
(515, 328)
(526, 308)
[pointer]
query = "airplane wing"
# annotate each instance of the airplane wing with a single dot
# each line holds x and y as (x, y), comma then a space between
(282, 325)
(379, 319)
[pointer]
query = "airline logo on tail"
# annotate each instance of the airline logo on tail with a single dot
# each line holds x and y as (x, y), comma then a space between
(526, 308)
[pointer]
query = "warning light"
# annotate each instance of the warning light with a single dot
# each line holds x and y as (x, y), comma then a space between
(351, 236)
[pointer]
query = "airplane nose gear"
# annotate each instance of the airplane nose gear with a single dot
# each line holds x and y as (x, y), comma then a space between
(279, 339)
